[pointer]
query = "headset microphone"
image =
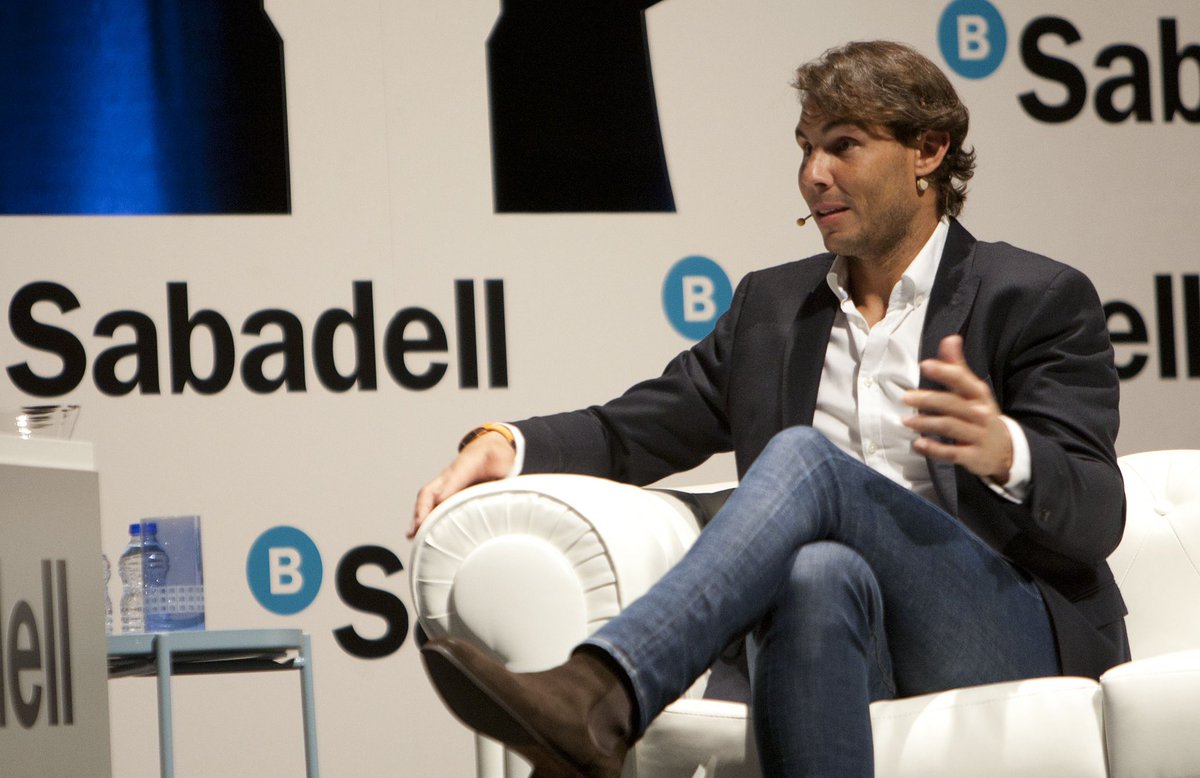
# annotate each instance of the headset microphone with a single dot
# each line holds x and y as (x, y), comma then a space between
(800, 222)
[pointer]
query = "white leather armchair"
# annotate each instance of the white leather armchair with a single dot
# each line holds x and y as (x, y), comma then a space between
(530, 566)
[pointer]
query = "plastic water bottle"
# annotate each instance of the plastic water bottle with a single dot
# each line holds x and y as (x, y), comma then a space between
(154, 577)
(133, 598)
(107, 599)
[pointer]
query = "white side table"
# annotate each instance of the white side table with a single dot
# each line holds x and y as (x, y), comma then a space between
(164, 654)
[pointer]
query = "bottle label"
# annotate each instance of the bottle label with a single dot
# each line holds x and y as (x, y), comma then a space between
(175, 600)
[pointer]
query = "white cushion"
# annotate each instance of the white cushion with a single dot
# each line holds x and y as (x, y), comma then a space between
(1047, 727)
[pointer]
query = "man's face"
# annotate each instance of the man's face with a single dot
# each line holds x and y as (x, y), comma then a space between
(860, 183)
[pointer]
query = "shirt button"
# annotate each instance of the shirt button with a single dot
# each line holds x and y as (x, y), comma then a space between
(868, 382)
(871, 447)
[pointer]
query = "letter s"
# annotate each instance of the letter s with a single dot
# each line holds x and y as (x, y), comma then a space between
(1053, 69)
(44, 337)
(369, 600)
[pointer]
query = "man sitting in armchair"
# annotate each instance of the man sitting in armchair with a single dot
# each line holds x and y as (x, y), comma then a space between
(924, 431)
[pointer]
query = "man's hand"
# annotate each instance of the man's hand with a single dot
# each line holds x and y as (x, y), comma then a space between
(488, 457)
(966, 413)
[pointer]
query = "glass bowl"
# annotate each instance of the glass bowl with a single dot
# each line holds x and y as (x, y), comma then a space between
(55, 422)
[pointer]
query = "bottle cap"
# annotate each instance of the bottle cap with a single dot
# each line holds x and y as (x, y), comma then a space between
(135, 529)
(152, 528)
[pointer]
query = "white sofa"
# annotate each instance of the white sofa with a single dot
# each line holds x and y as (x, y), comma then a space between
(530, 566)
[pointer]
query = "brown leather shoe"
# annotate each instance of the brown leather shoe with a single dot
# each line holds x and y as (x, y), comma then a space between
(573, 720)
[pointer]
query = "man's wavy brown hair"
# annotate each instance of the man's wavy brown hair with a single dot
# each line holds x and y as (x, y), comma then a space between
(888, 84)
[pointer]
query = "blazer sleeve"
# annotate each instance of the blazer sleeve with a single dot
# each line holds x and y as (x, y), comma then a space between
(657, 427)
(1061, 386)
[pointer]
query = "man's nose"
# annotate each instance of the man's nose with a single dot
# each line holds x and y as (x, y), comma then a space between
(814, 173)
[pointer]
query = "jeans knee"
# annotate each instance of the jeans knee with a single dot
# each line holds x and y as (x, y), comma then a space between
(827, 618)
(829, 603)
(828, 571)
(799, 445)
(800, 436)
(830, 591)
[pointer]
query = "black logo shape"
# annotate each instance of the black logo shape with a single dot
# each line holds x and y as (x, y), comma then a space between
(574, 119)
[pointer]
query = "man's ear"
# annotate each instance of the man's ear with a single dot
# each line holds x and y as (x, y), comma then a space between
(932, 146)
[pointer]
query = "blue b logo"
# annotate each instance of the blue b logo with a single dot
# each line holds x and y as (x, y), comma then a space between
(972, 38)
(284, 570)
(695, 293)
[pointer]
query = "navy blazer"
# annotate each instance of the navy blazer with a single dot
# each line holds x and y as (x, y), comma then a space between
(1033, 328)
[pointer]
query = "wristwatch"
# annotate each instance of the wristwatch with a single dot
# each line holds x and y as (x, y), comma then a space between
(484, 428)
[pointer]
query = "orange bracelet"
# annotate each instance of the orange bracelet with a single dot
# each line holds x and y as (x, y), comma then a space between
(485, 428)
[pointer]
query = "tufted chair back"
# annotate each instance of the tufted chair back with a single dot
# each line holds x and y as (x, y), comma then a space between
(1157, 564)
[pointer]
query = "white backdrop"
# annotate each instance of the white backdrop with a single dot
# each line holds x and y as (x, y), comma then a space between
(390, 163)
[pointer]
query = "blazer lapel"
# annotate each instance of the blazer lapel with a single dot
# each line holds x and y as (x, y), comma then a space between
(954, 290)
(804, 357)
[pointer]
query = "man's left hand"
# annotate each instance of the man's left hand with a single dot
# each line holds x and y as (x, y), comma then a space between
(965, 415)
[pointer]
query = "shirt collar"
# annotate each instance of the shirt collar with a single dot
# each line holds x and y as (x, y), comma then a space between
(916, 282)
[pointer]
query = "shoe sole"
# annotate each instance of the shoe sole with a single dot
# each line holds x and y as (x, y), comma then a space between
(474, 703)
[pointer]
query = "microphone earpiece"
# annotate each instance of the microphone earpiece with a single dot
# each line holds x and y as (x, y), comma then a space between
(800, 222)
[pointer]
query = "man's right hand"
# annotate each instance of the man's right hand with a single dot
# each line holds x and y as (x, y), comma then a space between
(488, 457)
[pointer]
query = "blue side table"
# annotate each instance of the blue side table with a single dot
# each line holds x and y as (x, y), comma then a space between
(164, 654)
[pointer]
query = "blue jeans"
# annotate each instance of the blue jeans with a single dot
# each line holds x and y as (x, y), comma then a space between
(850, 589)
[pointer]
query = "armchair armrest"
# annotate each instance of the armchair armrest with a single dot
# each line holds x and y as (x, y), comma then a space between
(1151, 715)
(530, 566)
